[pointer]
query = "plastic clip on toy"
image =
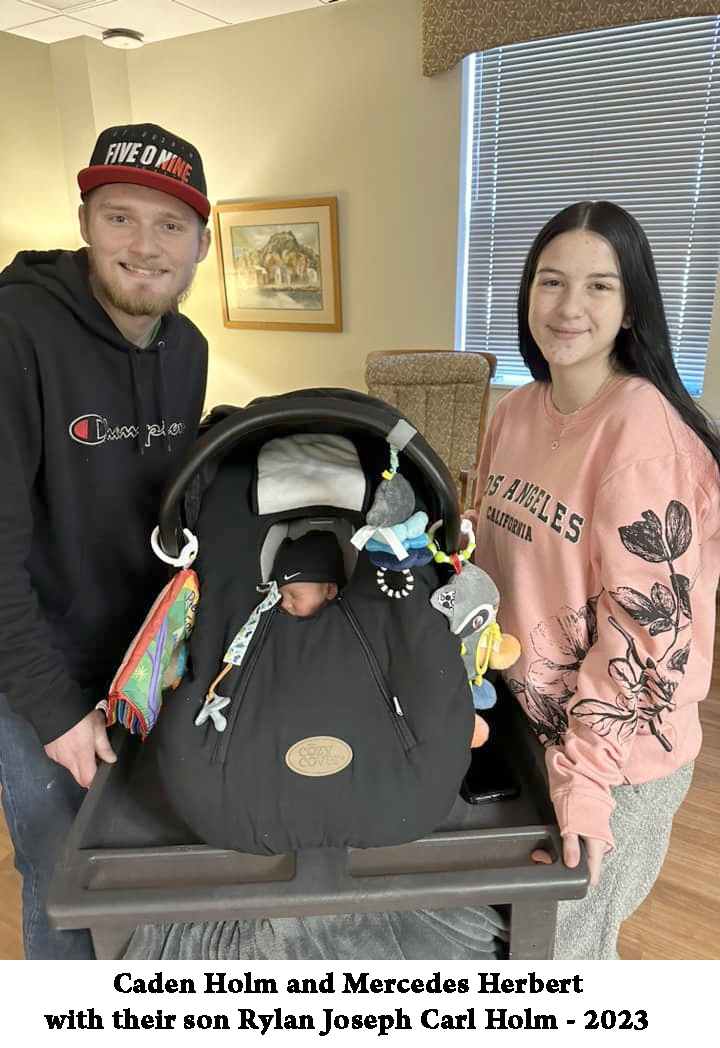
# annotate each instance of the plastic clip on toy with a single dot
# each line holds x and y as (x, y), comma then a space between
(470, 602)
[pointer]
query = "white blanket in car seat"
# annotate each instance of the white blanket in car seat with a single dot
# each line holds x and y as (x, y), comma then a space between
(309, 469)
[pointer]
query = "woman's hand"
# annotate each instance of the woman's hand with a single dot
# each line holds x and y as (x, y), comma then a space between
(594, 849)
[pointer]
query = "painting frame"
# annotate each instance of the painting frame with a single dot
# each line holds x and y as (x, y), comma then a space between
(279, 264)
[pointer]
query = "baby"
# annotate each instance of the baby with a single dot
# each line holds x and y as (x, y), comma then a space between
(309, 572)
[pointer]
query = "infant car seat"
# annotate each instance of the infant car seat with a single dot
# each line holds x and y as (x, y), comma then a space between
(348, 728)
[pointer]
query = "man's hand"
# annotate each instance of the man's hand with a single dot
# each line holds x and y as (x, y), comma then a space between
(594, 849)
(77, 749)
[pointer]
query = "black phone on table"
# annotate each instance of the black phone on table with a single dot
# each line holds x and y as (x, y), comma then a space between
(490, 776)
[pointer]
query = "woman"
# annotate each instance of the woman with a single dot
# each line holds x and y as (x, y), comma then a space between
(598, 516)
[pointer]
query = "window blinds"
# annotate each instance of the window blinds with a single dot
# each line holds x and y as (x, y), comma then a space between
(630, 115)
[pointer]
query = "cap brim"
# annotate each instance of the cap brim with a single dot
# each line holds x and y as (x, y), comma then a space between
(108, 174)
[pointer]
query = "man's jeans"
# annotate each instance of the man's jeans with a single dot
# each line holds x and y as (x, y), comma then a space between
(40, 800)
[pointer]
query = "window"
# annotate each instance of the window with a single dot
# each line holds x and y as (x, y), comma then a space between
(630, 115)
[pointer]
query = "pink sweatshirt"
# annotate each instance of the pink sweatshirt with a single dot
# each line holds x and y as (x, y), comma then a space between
(602, 531)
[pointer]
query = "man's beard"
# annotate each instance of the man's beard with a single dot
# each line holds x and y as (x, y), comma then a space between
(143, 303)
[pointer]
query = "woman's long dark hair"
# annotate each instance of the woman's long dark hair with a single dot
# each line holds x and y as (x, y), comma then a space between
(643, 348)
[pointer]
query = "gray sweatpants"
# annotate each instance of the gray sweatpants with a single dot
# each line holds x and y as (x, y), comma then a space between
(587, 929)
(452, 934)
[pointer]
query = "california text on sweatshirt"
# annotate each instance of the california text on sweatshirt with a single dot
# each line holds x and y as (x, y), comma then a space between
(602, 531)
(90, 429)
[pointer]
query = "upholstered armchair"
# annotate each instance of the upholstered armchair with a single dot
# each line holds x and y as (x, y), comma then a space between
(445, 394)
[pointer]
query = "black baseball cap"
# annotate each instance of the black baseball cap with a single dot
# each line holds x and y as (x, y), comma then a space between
(147, 155)
(314, 557)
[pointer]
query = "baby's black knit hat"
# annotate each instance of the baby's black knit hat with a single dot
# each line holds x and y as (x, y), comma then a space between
(314, 557)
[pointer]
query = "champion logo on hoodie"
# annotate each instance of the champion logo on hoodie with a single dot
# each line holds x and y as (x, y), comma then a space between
(92, 429)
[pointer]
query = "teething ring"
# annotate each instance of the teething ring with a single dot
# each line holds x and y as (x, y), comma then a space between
(392, 591)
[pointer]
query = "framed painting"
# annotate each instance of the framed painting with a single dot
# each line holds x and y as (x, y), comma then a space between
(279, 264)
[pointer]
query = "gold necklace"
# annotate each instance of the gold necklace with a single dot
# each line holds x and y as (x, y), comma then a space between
(603, 388)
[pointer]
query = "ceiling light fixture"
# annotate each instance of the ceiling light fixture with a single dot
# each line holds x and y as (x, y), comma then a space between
(124, 38)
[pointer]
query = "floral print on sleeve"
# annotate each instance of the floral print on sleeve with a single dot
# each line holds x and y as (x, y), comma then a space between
(561, 644)
(645, 685)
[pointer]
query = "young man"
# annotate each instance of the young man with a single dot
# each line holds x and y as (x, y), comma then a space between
(102, 383)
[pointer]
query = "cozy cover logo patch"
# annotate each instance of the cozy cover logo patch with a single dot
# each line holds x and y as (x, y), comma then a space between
(319, 755)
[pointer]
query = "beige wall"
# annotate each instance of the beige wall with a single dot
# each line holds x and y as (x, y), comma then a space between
(91, 92)
(36, 211)
(328, 101)
(322, 102)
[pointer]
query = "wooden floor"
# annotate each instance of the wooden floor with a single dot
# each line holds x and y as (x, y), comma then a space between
(680, 920)
(10, 932)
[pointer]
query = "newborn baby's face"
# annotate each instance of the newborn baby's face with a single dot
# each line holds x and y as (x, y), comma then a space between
(305, 598)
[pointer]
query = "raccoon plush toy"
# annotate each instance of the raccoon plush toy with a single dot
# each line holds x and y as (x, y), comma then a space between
(470, 601)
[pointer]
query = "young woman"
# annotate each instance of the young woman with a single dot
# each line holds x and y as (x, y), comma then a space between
(598, 516)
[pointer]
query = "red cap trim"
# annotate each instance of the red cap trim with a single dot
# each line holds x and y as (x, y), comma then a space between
(108, 174)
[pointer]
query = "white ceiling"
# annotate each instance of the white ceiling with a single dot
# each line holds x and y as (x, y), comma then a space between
(51, 20)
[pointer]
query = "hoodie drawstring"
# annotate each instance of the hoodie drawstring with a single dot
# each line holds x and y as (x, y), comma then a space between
(137, 402)
(162, 395)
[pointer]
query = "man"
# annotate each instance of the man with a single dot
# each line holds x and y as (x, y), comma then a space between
(101, 385)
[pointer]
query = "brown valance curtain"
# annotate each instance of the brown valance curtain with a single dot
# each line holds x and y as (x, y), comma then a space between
(455, 28)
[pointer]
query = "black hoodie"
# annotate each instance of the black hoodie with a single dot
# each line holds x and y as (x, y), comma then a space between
(90, 428)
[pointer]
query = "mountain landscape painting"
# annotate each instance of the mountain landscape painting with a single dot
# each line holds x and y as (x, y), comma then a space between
(277, 266)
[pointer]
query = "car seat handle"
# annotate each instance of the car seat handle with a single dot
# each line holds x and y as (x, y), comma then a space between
(309, 411)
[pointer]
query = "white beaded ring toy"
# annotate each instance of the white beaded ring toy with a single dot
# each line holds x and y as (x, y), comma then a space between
(390, 591)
